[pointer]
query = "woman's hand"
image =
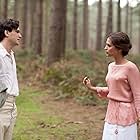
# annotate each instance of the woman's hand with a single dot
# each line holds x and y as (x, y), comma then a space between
(87, 83)
(85, 80)
(138, 120)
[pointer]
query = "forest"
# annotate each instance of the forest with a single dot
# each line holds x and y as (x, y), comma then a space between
(63, 41)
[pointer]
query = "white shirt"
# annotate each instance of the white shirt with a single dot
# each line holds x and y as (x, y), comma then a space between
(8, 75)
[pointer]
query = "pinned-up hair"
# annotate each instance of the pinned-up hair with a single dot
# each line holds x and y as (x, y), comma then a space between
(121, 41)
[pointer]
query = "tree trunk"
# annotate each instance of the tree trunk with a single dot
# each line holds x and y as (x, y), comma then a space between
(64, 22)
(139, 29)
(99, 26)
(37, 28)
(131, 22)
(126, 18)
(75, 26)
(119, 17)
(5, 9)
(16, 6)
(33, 26)
(25, 24)
(46, 7)
(56, 31)
(109, 27)
(85, 25)
(0, 8)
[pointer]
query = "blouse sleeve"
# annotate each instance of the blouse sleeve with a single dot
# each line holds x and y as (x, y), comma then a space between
(102, 91)
(134, 81)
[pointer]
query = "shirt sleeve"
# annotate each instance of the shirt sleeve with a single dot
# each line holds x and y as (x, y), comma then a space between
(102, 91)
(2, 80)
(134, 81)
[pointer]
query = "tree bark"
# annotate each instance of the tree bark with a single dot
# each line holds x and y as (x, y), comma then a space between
(126, 18)
(109, 27)
(75, 26)
(56, 31)
(5, 9)
(119, 17)
(99, 26)
(37, 27)
(85, 25)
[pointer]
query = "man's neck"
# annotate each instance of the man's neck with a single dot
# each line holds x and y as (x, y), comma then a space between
(7, 46)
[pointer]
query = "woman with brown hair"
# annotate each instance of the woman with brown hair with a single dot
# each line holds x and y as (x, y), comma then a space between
(123, 90)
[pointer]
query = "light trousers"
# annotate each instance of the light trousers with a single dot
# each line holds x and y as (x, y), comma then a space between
(8, 115)
(118, 132)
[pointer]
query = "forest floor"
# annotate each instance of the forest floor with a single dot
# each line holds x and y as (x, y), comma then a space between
(59, 108)
(89, 118)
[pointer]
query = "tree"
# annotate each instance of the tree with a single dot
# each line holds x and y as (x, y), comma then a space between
(64, 22)
(56, 31)
(139, 25)
(37, 27)
(99, 26)
(85, 25)
(126, 18)
(26, 23)
(139, 30)
(119, 17)
(16, 6)
(4, 9)
(75, 25)
(131, 22)
(109, 26)
(33, 26)
(46, 7)
(0, 8)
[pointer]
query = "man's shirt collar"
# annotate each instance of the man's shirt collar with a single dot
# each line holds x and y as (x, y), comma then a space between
(3, 51)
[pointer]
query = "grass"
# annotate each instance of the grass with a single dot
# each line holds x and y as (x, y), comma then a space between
(31, 116)
(34, 123)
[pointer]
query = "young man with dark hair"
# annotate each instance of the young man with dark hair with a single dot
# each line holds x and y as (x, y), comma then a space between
(9, 37)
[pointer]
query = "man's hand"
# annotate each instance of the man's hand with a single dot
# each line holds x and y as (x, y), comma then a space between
(3, 97)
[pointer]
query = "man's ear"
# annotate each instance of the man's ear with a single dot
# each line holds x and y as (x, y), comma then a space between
(6, 32)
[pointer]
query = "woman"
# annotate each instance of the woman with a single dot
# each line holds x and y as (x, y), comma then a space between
(123, 91)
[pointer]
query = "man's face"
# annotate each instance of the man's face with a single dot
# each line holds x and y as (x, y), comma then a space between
(14, 37)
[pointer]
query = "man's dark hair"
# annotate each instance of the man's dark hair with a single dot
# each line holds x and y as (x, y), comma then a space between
(9, 25)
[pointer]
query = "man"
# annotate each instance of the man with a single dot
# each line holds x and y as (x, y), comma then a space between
(9, 37)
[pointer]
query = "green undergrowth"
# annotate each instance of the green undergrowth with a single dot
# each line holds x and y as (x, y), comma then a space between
(64, 79)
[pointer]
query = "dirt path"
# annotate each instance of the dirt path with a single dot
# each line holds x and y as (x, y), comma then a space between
(89, 117)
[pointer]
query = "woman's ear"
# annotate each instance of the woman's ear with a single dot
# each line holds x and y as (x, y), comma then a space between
(6, 32)
(120, 51)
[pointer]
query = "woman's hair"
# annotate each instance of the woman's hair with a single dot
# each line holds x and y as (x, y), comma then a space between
(9, 25)
(121, 41)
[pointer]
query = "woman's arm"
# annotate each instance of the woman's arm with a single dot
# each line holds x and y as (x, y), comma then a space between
(101, 91)
(134, 81)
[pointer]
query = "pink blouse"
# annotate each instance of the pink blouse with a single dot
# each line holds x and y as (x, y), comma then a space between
(123, 92)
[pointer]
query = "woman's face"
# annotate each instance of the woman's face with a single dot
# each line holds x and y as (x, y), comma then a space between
(111, 50)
